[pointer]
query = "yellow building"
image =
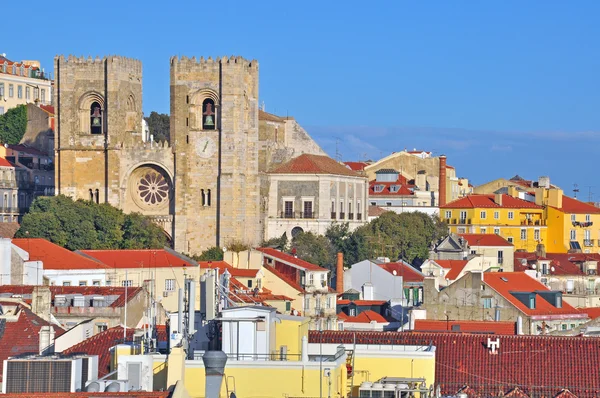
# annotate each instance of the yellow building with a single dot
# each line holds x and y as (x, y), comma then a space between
(572, 224)
(23, 83)
(520, 221)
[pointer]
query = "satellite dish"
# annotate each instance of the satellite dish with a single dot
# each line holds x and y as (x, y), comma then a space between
(395, 272)
(224, 249)
(552, 269)
(534, 266)
(523, 261)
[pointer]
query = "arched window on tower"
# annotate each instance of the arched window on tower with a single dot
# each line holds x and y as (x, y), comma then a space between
(97, 196)
(95, 118)
(91, 195)
(203, 197)
(208, 198)
(208, 114)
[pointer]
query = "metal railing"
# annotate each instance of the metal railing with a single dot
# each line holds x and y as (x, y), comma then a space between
(350, 216)
(333, 214)
(359, 216)
(342, 216)
(588, 242)
(11, 210)
(301, 214)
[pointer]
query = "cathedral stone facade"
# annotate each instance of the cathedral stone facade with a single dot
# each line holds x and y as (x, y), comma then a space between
(207, 186)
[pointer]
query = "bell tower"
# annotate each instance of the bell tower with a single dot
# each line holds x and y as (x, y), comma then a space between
(98, 105)
(214, 137)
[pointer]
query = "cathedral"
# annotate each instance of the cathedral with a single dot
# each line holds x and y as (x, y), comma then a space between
(208, 185)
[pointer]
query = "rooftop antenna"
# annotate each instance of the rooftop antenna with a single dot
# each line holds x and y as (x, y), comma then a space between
(338, 155)
(575, 190)
(590, 193)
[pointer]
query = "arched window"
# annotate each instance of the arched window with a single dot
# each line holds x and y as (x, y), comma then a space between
(203, 197)
(95, 118)
(208, 114)
(97, 196)
(208, 198)
(91, 195)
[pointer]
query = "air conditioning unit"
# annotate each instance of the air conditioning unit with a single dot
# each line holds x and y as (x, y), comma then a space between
(107, 386)
(138, 370)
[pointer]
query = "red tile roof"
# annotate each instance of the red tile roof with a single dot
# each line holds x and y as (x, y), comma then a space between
(367, 316)
(82, 290)
(456, 269)
(8, 229)
(5, 163)
(283, 278)
(593, 312)
(26, 149)
(426, 325)
(506, 282)
(486, 240)
(100, 345)
(574, 206)
(402, 190)
(342, 316)
(376, 211)
(361, 302)
(289, 259)
(144, 258)
(408, 273)
(54, 256)
(449, 264)
(487, 201)
(540, 365)
(235, 272)
(560, 263)
(356, 166)
(48, 108)
(140, 394)
(313, 164)
(22, 336)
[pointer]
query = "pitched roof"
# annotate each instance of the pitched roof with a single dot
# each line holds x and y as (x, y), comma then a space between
(540, 365)
(486, 240)
(376, 211)
(487, 201)
(21, 336)
(361, 302)
(141, 394)
(8, 229)
(48, 108)
(100, 345)
(356, 166)
(449, 264)
(574, 206)
(26, 149)
(313, 164)
(26, 290)
(262, 115)
(289, 259)
(402, 188)
(55, 257)
(504, 283)
(5, 163)
(427, 325)
(592, 312)
(284, 278)
(456, 267)
(235, 272)
(367, 316)
(144, 258)
(408, 273)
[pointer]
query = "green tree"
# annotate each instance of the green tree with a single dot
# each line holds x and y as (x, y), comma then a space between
(315, 249)
(78, 225)
(13, 125)
(211, 254)
(280, 243)
(159, 125)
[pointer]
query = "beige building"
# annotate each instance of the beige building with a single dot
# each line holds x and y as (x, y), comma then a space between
(9, 191)
(23, 83)
(204, 187)
(310, 192)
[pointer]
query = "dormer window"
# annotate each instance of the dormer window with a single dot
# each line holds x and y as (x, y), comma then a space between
(394, 188)
(378, 188)
(98, 301)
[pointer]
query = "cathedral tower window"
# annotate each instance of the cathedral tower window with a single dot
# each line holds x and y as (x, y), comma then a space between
(203, 197)
(95, 118)
(208, 114)
(97, 196)
(208, 198)
(131, 118)
(91, 195)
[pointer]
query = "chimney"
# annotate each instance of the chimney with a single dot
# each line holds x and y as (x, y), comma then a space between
(442, 181)
(339, 273)
(498, 199)
(41, 302)
(214, 368)
(46, 340)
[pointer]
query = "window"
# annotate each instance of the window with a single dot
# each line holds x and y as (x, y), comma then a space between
(523, 234)
(588, 218)
(14, 70)
(378, 188)
(27, 93)
(536, 234)
(96, 283)
(95, 118)
(288, 208)
(341, 209)
(19, 91)
(461, 230)
(308, 209)
(43, 96)
(586, 234)
(311, 279)
(306, 304)
(482, 215)
(388, 203)
(487, 302)
(329, 302)
(1, 90)
(483, 230)
(101, 327)
(288, 306)
(11, 90)
(563, 326)
(573, 234)
(496, 215)
(573, 217)
(358, 208)
(333, 206)
(208, 114)
(249, 282)
(36, 93)
(170, 285)
(373, 203)
(497, 231)
(323, 280)
(532, 301)
(66, 283)
(318, 304)
(510, 239)
(448, 214)
(511, 215)
(352, 311)
(82, 283)
(127, 283)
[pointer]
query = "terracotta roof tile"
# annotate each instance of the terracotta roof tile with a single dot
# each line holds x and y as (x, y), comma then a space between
(449, 264)
(592, 312)
(361, 302)
(403, 187)
(486, 240)
(313, 164)
(54, 256)
(48, 108)
(140, 394)
(8, 229)
(539, 365)
(284, 278)
(456, 268)
(408, 273)
(356, 166)
(287, 258)
(25, 290)
(22, 336)
(100, 345)
(376, 211)
(574, 206)
(143, 258)
(487, 201)
(506, 282)
(426, 325)
(235, 272)
(367, 316)
(5, 163)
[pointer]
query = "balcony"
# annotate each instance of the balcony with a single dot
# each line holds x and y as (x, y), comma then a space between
(350, 216)
(9, 210)
(532, 223)
(333, 214)
(464, 221)
(287, 214)
(583, 224)
(500, 260)
(342, 216)
(588, 242)
(359, 216)
(8, 184)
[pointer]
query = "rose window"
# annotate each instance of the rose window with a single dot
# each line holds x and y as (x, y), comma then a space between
(153, 188)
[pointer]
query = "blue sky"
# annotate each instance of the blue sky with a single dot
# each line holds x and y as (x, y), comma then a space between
(500, 87)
